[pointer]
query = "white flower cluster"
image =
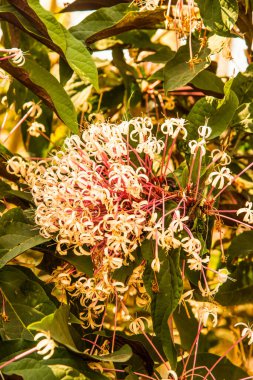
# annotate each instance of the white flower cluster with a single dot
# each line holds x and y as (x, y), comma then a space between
(90, 194)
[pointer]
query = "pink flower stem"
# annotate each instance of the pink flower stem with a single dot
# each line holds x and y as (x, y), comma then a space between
(115, 321)
(198, 177)
(191, 169)
(196, 349)
(169, 155)
(19, 123)
(20, 356)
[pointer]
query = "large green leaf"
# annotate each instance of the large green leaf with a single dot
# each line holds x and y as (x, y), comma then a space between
(46, 87)
(219, 16)
(58, 326)
(26, 300)
(208, 81)
(75, 53)
(107, 22)
(165, 299)
(218, 112)
(178, 71)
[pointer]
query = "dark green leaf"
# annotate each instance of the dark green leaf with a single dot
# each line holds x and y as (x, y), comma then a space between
(188, 335)
(81, 263)
(219, 113)
(178, 71)
(165, 300)
(219, 16)
(26, 299)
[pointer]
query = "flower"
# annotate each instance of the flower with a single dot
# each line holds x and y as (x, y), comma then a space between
(222, 157)
(17, 56)
(171, 375)
(191, 245)
(208, 310)
(147, 5)
(220, 177)
(168, 127)
(196, 262)
(195, 145)
(248, 217)
(36, 128)
(177, 222)
(155, 265)
(138, 325)
(204, 131)
(246, 332)
(46, 345)
(34, 109)
(207, 292)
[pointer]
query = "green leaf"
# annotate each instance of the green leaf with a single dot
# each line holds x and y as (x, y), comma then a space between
(30, 369)
(208, 81)
(107, 22)
(120, 356)
(178, 72)
(224, 370)
(240, 291)
(219, 16)
(81, 263)
(26, 300)
(241, 245)
(77, 56)
(46, 87)
(16, 236)
(165, 300)
(219, 113)
(243, 117)
(102, 19)
(58, 326)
